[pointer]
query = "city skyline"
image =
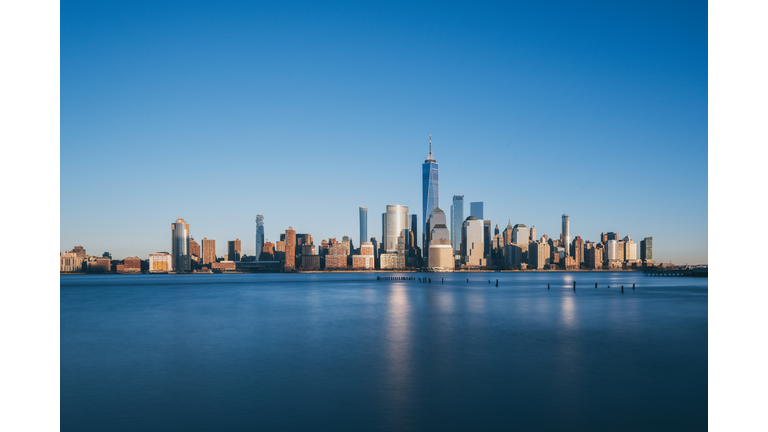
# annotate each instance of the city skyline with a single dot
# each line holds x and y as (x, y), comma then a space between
(507, 84)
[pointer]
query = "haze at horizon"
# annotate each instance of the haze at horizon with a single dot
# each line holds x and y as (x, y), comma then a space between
(306, 112)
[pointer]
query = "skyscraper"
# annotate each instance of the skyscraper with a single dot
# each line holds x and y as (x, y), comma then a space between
(259, 235)
(363, 225)
(520, 234)
(472, 248)
(440, 251)
(646, 249)
(457, 219)
(533, 234)
(476, 210)
(233, 250)
(394, 223)
(180, 245)
(566, 234)
(430, 191)
(208, 251)
(290, 250)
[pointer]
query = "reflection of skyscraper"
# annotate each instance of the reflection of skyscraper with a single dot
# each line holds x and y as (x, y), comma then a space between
(259, 235)
(430, 190)
(180, 245)
(476, 210)
(394, 223)
(457, 219)
(566, 234)
(363, 225)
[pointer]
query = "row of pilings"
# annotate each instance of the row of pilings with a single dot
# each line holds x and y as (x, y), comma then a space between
(442, 281)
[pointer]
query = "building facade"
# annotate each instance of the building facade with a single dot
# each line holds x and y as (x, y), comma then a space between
(476, 210)
(520, 234)
(472, 247)
(259, 235)
(209, 251)
(566, 234)
(394, 224)
(160, 262)
(363, 224)
(180, 245)
(430, 191)
(290, 250)
(457, 219)
(646, 249)
(233, 250)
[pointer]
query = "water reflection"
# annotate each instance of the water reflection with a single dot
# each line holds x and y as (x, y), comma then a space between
(398, 349)
(568, 311)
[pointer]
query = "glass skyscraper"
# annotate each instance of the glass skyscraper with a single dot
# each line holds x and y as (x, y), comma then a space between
(430, 191)
(259, 235)
(457, 219)
(394, 224)
(363, 225)
(180, 245)
(476, 210)
(567, 234)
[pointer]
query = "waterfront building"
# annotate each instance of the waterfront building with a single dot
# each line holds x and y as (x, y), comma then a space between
(570, 263)
(79, 251)
(268, 252)
(414, 250)
(132, 265)
(630, 249)
(457, 218)
(520, 234)
(70, 262)
(180, 245)
(259, 235)
(593, 257)
(577, 250)
(98, 264)
(603, 238)
(366, 260)
(646, 249)
(538, 255)
(336, 258)
(290, 250)
(533, 234)
(516, 255)
(306, 249)
(394, 223)
(347, 244)
(430, 196)
(363, 224)
(440, 253)
(612, 251)
(233, 248)
(566, 244)
(388, 261)
(472, 248)
(476, 210)
(209, 251)
(160, 262)
(310, 262)
(194, 252)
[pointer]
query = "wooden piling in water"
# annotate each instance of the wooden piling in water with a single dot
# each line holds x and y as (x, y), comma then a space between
(633, 287)
(547, 286)
(622, 289)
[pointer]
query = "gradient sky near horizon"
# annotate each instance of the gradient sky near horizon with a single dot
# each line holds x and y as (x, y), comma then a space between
(214, 112)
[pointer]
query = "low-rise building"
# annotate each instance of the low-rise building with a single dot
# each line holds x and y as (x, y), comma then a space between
(223, 266)
(161, 262)
(70, 262)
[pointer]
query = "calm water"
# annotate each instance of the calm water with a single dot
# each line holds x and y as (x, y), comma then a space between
(346, 352)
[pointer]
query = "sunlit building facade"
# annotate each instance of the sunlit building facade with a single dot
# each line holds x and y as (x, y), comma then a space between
(430, 188)
(457, 219)
(180, 245)
(394, 224)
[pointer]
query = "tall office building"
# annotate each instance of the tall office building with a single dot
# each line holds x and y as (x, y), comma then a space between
(508, 233)
(487, 238)
(520, 234)
(440, 250)
(646, 249)
(290, 250)
(394, 223)
(363, 225)
(208, 251)
(472, 248)
(566, 234)
(476, 210)
(180, 245)
(415, 234)
(430, 191)
(259, 235)
(577, 250)
(233, 250)
(533, 234)
(436, 217)
(457, 219)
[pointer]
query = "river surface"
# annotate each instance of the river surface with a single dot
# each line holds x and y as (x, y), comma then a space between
(331, 352)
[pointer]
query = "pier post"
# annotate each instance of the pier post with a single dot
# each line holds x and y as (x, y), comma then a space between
(547, 286)
(442, 281)
(430, 280)
(633, 287)
(595, 284)
(497, 282)
(622, 289)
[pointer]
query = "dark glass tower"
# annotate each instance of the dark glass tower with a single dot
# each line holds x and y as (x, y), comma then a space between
(259, 235)
(457, 218)
(430, 192)
(363, 225)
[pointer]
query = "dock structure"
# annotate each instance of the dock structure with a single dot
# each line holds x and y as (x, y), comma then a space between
(694, 272)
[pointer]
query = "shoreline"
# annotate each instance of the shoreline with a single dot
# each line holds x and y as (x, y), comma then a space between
(360, 271)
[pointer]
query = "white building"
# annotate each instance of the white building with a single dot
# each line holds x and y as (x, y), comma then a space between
(160, 262)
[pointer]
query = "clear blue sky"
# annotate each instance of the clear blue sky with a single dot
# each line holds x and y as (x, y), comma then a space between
(306, 111)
